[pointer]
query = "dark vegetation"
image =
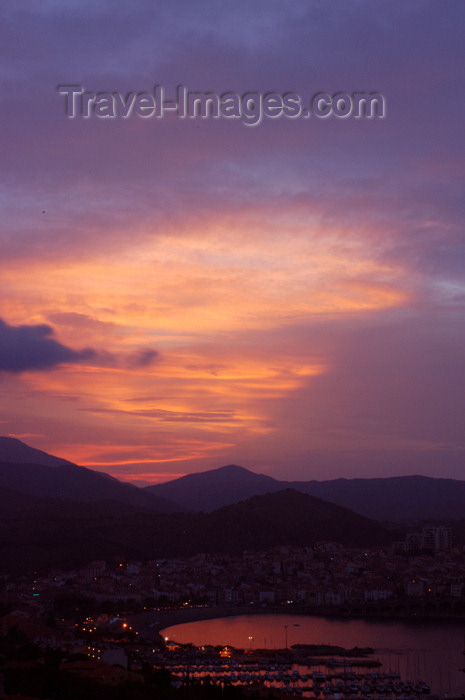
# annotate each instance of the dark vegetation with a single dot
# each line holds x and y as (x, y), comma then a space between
(43, 533)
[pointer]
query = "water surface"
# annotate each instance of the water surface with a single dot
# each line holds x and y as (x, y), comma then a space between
(430, 652)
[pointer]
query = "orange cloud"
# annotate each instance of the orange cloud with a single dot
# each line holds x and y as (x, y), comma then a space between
(194, 299)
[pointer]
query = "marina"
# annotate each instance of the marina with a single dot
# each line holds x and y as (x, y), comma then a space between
(296, 678)
(409, 659)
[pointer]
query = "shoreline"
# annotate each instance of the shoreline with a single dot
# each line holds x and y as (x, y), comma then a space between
(160, 619)
(163, 618)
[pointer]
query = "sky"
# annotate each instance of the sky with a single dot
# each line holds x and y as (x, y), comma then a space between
(181, 294)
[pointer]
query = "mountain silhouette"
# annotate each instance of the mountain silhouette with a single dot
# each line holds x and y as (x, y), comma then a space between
(398, 499)
(207, 491)
(36, 473)
(13, 450)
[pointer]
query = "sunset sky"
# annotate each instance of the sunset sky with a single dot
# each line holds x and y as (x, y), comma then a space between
(180, 294)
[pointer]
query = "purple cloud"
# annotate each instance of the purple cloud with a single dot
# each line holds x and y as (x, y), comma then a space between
(25, 348)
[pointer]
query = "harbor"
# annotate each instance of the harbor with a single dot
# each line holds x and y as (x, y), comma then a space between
(295, 676)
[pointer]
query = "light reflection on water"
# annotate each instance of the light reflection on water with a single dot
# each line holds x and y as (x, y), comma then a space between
(421, 651)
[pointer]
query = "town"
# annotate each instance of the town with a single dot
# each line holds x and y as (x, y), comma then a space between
(97, 621)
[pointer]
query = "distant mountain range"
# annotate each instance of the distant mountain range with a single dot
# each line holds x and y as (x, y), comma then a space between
(399, 499)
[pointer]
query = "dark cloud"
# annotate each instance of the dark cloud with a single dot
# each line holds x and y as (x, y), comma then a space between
(25, 348)
(142, 358)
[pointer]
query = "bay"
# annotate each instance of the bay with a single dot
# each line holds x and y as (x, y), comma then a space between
(430, 652)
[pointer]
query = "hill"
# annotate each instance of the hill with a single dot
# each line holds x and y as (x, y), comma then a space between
(284, 518)
(57, 533)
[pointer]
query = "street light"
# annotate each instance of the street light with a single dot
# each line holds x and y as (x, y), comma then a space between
(285, 630)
